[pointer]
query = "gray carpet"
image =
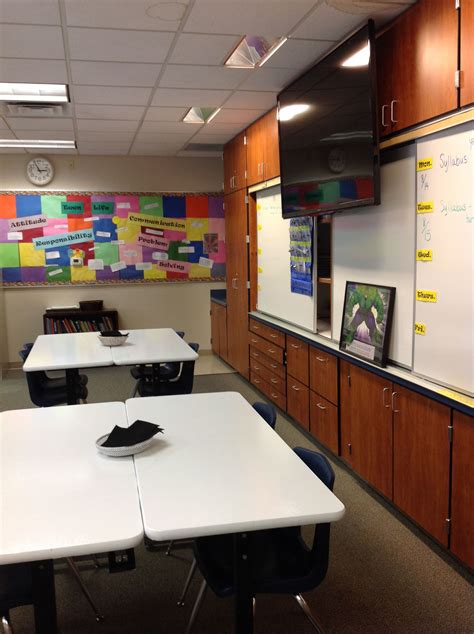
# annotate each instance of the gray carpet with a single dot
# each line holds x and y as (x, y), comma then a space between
(383, 576)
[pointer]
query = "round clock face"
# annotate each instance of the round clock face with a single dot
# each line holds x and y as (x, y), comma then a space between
(39, 171)
(337, 160)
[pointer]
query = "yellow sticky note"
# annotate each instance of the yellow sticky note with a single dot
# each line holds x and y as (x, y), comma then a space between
(259, 251)
(420, 329)
(424, 255)
(424, 164)
(425, 296)
(461, 398)
(29, 256)
(259, 288)
(259, 207)
(426, 207)
(82, 274)
(259, 227)
(260, 270)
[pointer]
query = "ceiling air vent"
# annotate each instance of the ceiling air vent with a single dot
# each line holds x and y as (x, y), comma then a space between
(26, 109)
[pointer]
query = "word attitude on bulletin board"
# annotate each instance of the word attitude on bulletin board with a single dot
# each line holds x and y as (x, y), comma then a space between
(50, 239)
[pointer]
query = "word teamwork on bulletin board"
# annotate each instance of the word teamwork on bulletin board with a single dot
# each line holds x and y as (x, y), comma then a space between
(106, 238)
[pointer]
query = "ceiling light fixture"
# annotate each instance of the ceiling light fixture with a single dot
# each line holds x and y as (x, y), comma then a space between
(41, 93)
(38, 144)
(253, 51)
(272, 51)
(288, 112)
(358, 59)
(200, 114)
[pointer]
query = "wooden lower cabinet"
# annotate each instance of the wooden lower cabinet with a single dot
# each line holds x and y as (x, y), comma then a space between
(219, 330)
(421, 455)
(323, 374)
(323, 421)
(297, 359)
(462, 491)
(297, 401)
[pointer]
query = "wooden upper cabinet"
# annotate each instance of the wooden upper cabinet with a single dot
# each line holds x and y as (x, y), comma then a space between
(235, 164)
(462, 500)
(467, 52)
(417, 58)
(271, 160)
(263, 159)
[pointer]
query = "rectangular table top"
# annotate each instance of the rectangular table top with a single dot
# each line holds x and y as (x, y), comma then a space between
(69, 350)
(58, 496)
(220, 468)
(152, 345)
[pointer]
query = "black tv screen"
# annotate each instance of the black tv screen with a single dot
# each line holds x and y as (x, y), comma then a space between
(329, 156)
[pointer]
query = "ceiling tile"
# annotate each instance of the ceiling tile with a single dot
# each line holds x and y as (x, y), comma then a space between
(30, 11)
(189, 97)
(259, 17)
(44, 71)
(5, 133)
(266, 78)
(230, 115)
(54, 151)
(170, 127)
(87, 147)
(3, 125)
(326, 23)
(131, 113)
(165, 114)
(108, 45)
(192, 48)
(224, 128)
(114, 74)
(155, 149)
(17, 40)
(164, 137)
(11, 150)
(203, 154)
(212, 138)
(120, 96)
(126, 14)
(32, 123)
(63, 135)
(106, 125)
(176, 76)
(95, 136)
(252, 100)
(298, 54)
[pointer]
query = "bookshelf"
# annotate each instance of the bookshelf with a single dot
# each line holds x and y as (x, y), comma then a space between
(77, 320)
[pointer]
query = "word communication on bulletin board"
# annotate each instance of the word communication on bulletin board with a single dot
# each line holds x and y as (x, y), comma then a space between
(89, 238)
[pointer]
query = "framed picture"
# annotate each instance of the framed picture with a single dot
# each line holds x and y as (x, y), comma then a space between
(367, 321)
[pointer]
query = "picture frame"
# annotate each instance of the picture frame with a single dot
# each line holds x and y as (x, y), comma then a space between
(367, 321)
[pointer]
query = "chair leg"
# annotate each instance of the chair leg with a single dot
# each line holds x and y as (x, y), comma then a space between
(85, 591)
(309, 615)
(134, 391)
(196, 607)
(96, 561)
(170, 546)
(189, 578)
(7, 628)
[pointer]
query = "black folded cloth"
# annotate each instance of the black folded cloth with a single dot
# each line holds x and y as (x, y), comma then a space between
(112, 333)
(139, 431)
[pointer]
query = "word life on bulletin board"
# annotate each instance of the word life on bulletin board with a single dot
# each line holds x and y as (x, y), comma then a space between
(105, 238)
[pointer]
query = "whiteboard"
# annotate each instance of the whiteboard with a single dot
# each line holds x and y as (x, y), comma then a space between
(274, 296)
(376, 245)
(445, 227)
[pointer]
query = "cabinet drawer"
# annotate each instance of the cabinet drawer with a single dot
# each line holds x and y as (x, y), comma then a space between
(323, 374)
(323, 421)
(274, 395)
(275, 381)
(297, 359)
(272, 335)
(277, 369)
(297, 396)
(270, 349)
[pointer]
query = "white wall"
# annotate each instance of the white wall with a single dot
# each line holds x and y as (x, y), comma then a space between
(183, 306)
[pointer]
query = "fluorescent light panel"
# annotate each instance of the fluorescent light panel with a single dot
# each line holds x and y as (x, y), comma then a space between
(38, 143)
(200, 114)
(359, 58)
(253, 51)
(41, 93)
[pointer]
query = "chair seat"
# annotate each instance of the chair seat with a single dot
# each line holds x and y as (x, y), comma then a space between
(168, 371)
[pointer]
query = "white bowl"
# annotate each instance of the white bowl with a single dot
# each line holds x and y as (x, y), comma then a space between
(113, 341)
(118, 452)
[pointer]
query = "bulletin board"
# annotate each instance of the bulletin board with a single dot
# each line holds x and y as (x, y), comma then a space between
(55, 238)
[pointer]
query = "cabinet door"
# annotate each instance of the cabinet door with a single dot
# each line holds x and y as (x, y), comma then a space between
(462, 493)
(467, 52)
(297, 401)
(297, 362)
(215, 339)
(237, 276)
(228, 167)
(255, 152)
(384, 55)
(421, 460)
(271, 150)
(323, 418)
(240, 161)
(323, 374)
(222, 323)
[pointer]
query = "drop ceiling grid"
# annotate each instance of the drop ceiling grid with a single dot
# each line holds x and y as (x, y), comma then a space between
(132, 79)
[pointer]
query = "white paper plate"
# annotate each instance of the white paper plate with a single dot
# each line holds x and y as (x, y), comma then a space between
(118, 452)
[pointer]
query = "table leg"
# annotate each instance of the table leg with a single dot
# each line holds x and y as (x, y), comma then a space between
(72, 375)
(44, 597)
(243, 586)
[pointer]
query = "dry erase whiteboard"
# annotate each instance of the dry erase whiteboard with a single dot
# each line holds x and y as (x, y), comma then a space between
(376, 245)
(274, 296)
(444, 314)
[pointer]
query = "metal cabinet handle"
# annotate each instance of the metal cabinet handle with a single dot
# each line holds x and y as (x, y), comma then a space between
(392, 111)
(293, 345)
(275, 396)
(274, 381)
(255, 354)
(320, 406)
(384, 391)
(253, 340)
(322, 359)
(256, 381)
(271, 350)
(255, 327)
(297, 389)
(273, 336)
(384, 125)
(394, 396)
(255, 367)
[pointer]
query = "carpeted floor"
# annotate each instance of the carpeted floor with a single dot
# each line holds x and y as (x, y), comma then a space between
(383, 576)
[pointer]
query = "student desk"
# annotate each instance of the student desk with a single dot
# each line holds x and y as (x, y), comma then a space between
(60, 497)
(219, 468)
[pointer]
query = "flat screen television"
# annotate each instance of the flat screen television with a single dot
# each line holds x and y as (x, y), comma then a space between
(329, 151)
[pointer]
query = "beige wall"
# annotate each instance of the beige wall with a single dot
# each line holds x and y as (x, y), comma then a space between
(183, 306)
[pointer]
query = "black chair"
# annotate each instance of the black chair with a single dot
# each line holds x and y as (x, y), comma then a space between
(281, 562)
(168, 371)
(47, 392)
(181, 384)
(16, 589)
(267, 412)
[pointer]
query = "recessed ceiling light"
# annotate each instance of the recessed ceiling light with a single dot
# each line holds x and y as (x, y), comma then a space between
(201, 114)
(42, 93)
(253, 50)
(358, 59)
(166, 11)
(288, 112)
(38, 143)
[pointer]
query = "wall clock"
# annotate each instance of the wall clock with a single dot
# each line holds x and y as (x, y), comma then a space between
(39, 171)
(337, 160)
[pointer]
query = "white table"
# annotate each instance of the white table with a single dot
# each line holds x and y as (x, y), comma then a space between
(220, 468)
(58, 496)
(152, 345)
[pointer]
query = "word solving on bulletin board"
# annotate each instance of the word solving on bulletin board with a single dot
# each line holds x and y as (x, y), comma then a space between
(87, 238)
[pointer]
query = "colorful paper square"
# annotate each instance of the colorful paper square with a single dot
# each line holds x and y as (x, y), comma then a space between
(27, 205)
(218, 271)
(104, 225)
(173, 252)
(109, 253)
(30, 234)
(198, 252)
(12, 274)
(174, 206)
(196, 206)
(7, 206)
(29, 256)
(63, 274)
(130, 254)
(196, 227)
(217, 225)
(33, 274)
(82, 274)
(125, 205)
(51, 206)
(107, 274)
(4, 230)
(199, 272)
(151, 205)
(62, 260)
(154, 274)
(131, 273)
(9, 255)
(216, 207)
(78, 198)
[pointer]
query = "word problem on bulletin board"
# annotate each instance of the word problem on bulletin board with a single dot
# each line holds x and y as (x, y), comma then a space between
(50, 239)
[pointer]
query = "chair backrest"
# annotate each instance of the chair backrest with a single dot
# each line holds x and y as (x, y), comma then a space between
(319, 465)
(40, 394)
(182, 385)
(180, 333)
(267, 412)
